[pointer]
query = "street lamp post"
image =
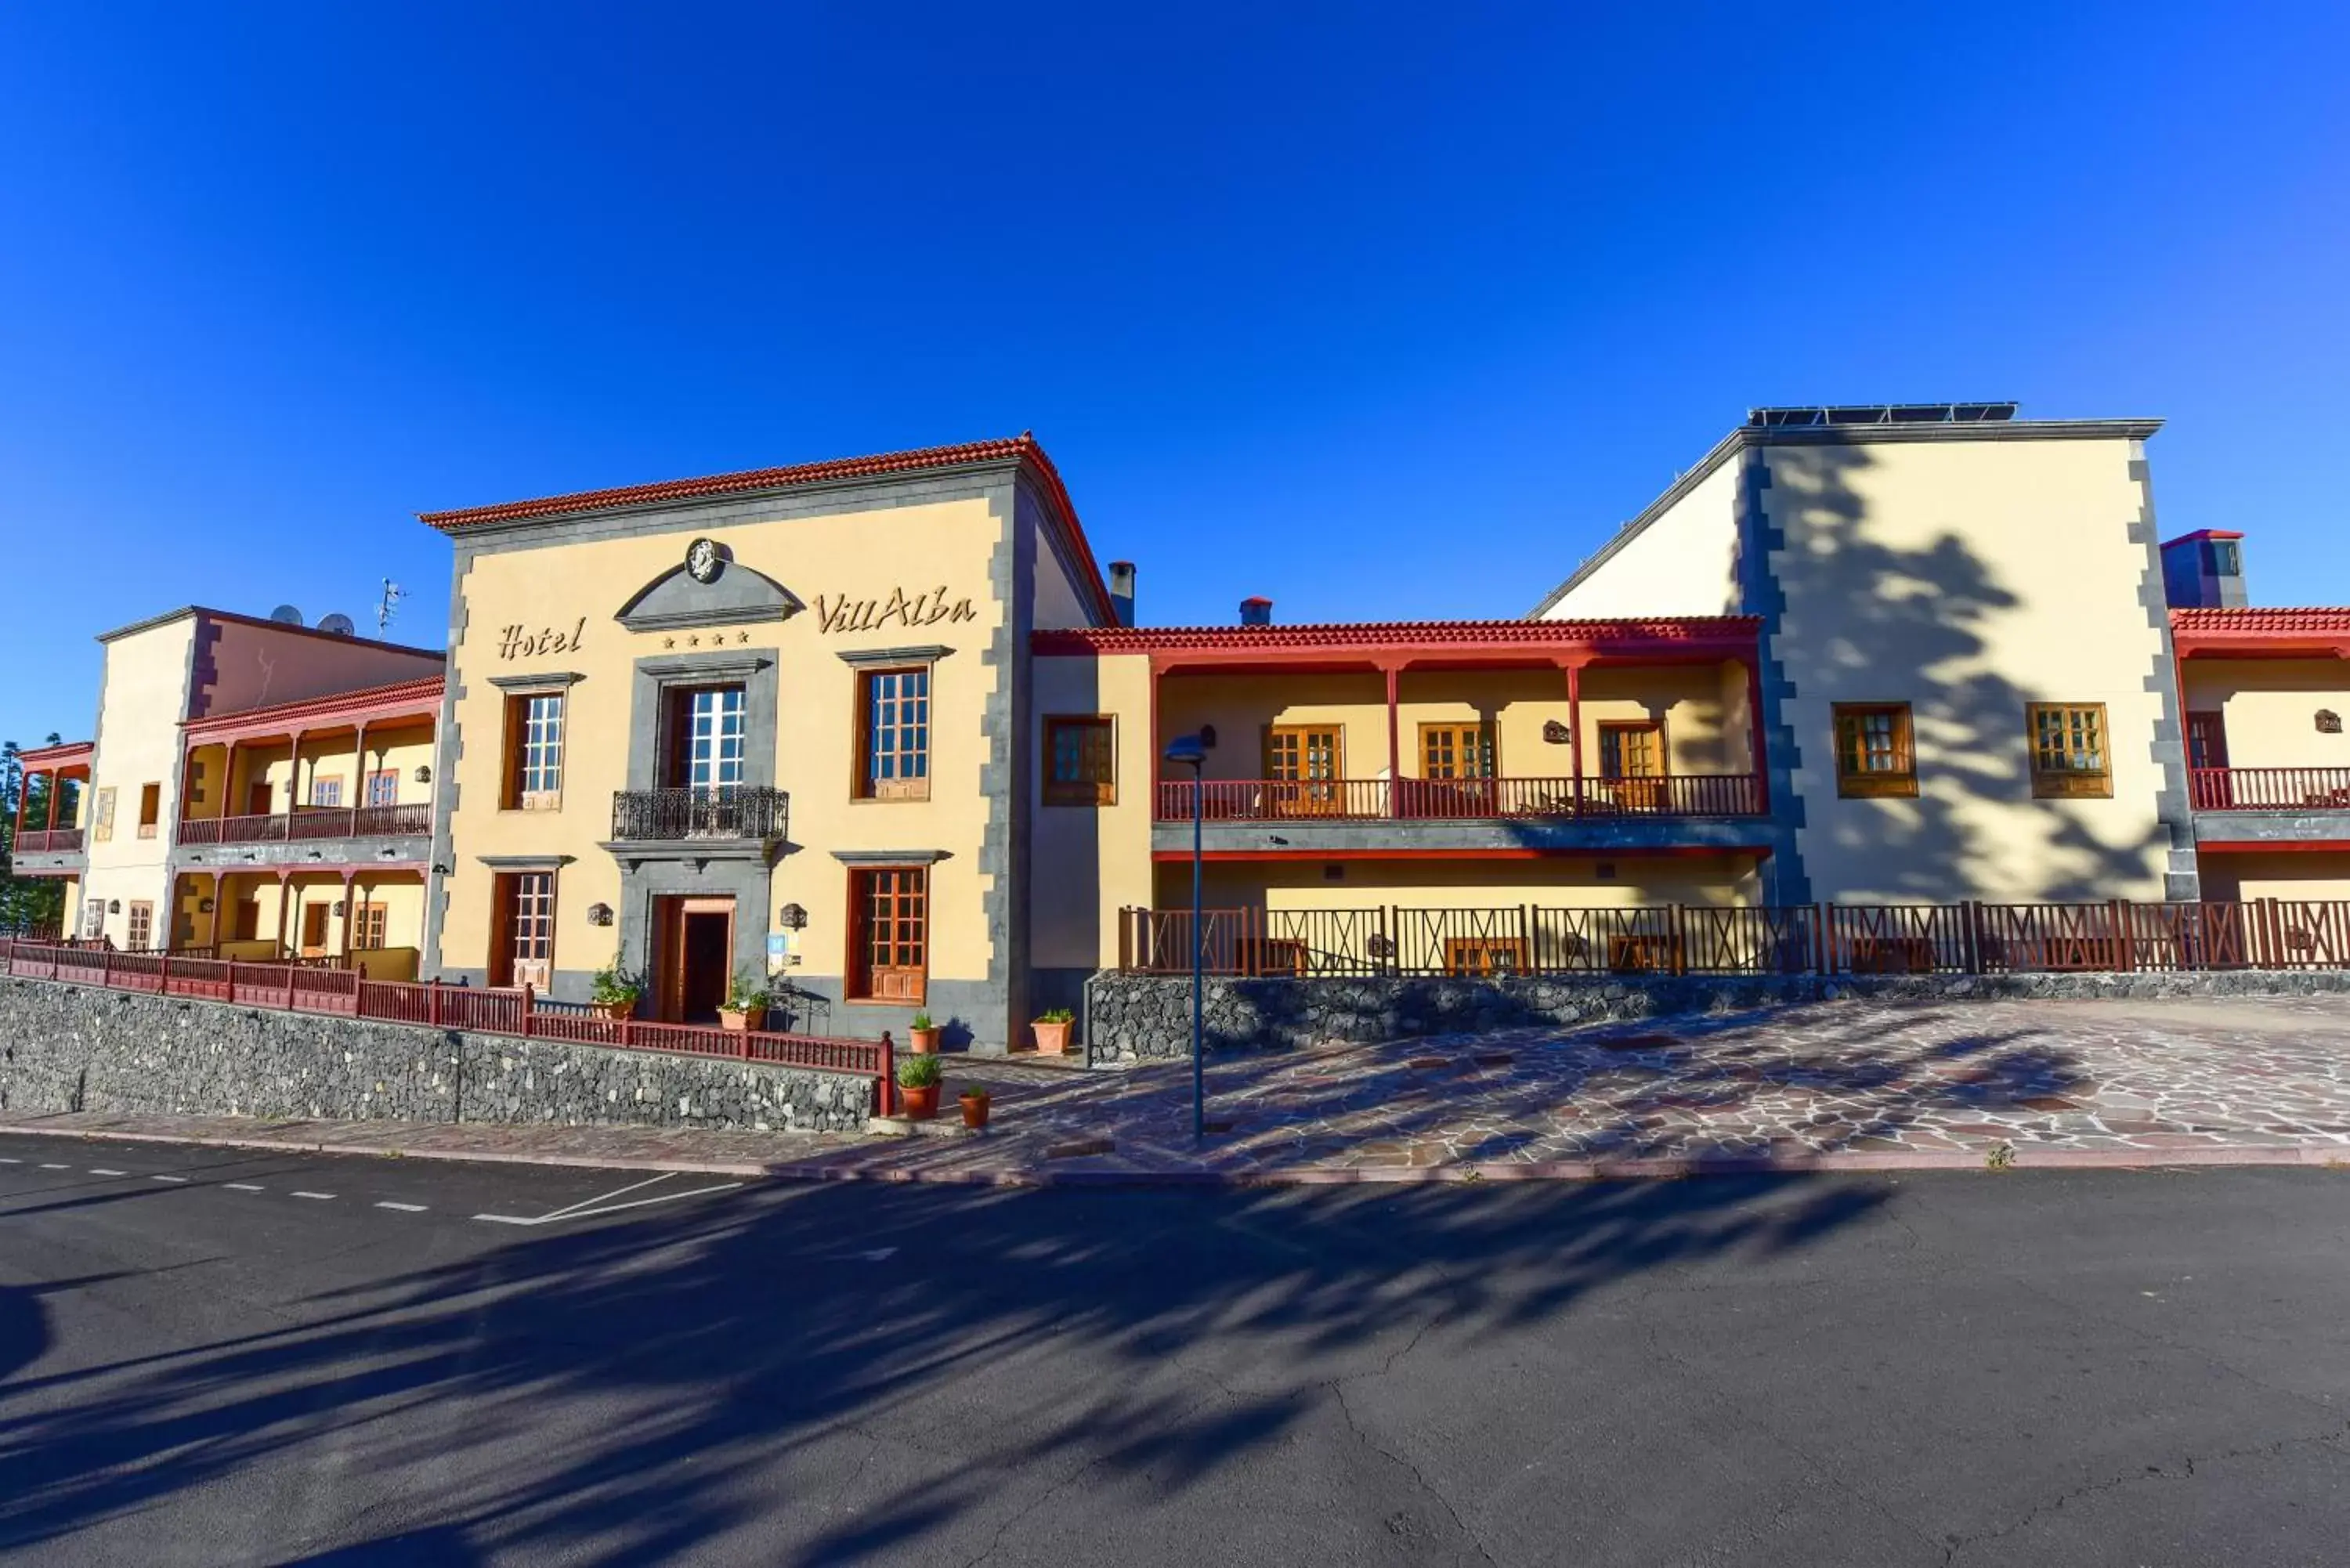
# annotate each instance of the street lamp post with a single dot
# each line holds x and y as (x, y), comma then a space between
(1187, 751)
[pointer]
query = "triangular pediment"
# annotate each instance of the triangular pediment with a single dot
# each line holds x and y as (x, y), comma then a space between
(734, 595)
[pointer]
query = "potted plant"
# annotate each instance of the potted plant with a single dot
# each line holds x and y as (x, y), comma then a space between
(614, 992)
(918, 1078)
(974, 1102)
(926, 1035)
(745, 1006)
(1053, 1032)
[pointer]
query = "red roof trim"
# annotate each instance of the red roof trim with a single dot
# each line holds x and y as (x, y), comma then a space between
(2276, 633)
(2204, 534)
(372, 702)
(1401, 635)
(2261, 620)
(1022, 448)
(63, 755)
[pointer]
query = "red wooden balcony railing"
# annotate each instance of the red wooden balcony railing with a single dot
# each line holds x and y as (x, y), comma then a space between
(1803, 938)
(348, 994)
(1462, 800)
(310, 823)
(52, 840)
(2271, 789)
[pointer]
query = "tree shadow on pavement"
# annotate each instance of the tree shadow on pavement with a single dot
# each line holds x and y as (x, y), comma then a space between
(831, 1374)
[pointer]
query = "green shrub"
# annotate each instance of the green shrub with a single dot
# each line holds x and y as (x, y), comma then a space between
(923, 1021)
(1058, 1016)
(921, 1073)
(612, 985)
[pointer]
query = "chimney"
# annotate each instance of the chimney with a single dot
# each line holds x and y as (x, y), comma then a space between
(2204, 570)
(1121, 591)
(1257, 610)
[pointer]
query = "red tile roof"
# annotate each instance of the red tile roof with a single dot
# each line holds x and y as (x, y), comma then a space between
(1402, 635)
(1022, 448)
(2274, 633)
(63, 755)
(341, 707)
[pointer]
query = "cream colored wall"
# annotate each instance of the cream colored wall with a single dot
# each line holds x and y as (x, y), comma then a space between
(2270, 707)
(861, 555)
(1681, 564)
(1087, 863)
(1703, 735)
(2297, 874)
(1721, 881)
(254, 667)
(402, 896)
(1970, 578)
(142, 697)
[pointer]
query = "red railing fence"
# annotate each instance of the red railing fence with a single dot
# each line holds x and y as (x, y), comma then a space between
(348, 994)
(1687, 939)
(1455, 800)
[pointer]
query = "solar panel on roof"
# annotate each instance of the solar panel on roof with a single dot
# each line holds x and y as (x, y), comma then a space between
(1881, 414)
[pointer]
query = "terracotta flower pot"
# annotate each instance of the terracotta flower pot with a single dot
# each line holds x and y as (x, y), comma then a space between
(918, 1104)
(974, 1110)
(747, 1019)
(615, 1012)
(926, 1040)
(1052, 1039)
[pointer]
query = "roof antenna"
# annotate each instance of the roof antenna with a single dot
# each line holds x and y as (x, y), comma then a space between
(389, 605)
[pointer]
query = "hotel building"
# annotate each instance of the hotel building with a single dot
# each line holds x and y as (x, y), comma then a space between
(883, 733)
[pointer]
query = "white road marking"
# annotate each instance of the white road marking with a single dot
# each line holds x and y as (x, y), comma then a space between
(617, 1192)
(171, 1179)
(403, 1207)
(4, 1161)
(320, 1196)
(94, 1171)
(244, 1187)
(878, 1255)
(55, 1168)
(577, 1212)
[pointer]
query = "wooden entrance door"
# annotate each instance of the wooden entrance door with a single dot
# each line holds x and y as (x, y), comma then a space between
(1632, 763)
(314, 929)
(890, 935)
(257, 799)
(693, 957)
(1307, 762)
(522, 941)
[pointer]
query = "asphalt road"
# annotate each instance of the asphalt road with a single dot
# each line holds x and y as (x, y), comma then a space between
(284, 1359)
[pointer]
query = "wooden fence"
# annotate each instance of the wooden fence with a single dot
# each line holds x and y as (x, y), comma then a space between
(1699, 940)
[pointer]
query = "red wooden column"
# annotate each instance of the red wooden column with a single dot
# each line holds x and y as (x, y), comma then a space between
(284, 897)
(1575, 726)
(228, 784)
(23, 788)
(54, 792)
(294, 782)
(350, 913)
(1754, 735)
(359, 777)
(219, 907)
(1394, 670)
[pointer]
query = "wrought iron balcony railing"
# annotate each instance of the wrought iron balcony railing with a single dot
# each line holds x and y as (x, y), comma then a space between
(724, 811)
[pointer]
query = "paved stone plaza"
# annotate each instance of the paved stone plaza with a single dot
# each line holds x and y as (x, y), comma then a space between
(1945, 1083)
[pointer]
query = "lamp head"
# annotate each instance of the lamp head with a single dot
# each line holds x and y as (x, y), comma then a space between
(1186, 751)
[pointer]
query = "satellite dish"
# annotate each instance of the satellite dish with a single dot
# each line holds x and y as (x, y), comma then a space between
(338, 624)
(286, 615)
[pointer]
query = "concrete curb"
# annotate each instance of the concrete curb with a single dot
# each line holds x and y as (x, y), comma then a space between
(748, 1168)
(2025, 1157)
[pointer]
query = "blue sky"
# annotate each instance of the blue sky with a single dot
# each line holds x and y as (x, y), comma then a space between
(1379, 313)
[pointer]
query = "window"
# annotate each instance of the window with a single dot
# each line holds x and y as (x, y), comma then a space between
(1456, 752)
(195, 783)
(522, 942)
(2069, 757)
(1874, 754)
(93, 920)
(1484, 956)
(327, 791)
(143, 927)
(101, 827)
(383, 787)
(895, 743)
(1632, 751)
(706, 738)
(888, 933)
(2207, 740)
(371, 924)
(1080, 762)
(533, 752)
(150, 808)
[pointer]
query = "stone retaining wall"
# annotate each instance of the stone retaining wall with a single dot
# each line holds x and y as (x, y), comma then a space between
(1139, 1017)
(74, 1048)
